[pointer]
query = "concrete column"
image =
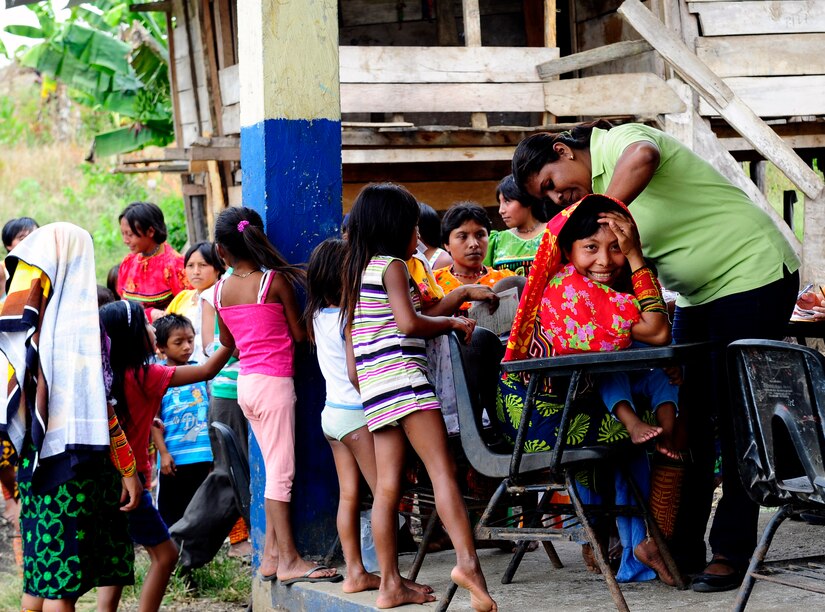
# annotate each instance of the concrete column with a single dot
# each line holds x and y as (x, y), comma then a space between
(291, 160)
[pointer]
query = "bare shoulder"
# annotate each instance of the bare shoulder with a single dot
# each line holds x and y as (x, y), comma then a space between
(280, 289)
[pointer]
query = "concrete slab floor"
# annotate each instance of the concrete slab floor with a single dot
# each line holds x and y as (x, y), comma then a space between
(538, 587)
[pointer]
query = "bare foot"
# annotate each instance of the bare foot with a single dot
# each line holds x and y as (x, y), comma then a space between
(473, 580)
(648, 553)
(392, 598)
(269, 567)
(664, 444)
(299, 568)
(641, 432)
(363, 581)
(12, 513)
(589, 559)
(241, 549)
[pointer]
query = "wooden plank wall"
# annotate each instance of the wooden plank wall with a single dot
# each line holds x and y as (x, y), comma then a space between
(770, 53)
(191, 72)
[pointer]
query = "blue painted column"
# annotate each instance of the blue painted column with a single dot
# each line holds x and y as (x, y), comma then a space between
(291, 160)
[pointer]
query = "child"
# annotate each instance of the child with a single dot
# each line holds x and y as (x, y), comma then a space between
(183, 443)
(429, 237)
(525, 217)
(601, 244)
(386, 331)
(15, 230)
(138, 388)
(573, 303)
(152, 273)
(342, 420)
(258, 313)
(465, 231)
(203, 269)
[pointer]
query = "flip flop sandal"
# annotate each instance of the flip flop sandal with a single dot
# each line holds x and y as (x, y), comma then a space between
(310, 571)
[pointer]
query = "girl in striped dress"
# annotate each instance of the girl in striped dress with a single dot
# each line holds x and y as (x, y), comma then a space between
(387, 361)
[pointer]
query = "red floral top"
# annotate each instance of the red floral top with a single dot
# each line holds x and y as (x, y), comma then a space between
(152, 281)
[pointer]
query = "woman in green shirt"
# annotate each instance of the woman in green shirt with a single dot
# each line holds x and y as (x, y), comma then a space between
(736, 275)
(515, 248)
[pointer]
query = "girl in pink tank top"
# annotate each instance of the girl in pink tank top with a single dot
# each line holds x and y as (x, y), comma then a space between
(258, 314)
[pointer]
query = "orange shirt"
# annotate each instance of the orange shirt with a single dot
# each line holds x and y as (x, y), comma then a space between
(448, 282)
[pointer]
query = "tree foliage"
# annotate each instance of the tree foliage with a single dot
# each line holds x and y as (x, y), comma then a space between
(111, 59)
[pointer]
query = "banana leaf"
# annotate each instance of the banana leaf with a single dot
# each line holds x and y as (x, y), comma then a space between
(130, 138)
(25, 31)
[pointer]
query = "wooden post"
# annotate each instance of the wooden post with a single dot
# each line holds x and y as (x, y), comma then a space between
(291, 159)
(472, 38)
(549, 41)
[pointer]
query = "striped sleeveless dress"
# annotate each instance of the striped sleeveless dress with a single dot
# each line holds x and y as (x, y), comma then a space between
(392, 367)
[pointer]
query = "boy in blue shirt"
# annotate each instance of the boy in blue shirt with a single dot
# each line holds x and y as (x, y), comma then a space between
(184, 450)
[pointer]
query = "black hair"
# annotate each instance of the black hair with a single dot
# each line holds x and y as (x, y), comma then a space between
(240, 230)
(323, 279)
(144, 215)
(165, 325)
(125, 324)
(111, 280)
(209, 254)
(429, 226)
(536, 151)
(381, 222)
(12, 228)
(104, 296)
(461, 212)
(508, 188)
(584, 222)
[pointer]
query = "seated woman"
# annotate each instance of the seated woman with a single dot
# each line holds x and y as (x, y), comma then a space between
(465, 231)
(573, 303)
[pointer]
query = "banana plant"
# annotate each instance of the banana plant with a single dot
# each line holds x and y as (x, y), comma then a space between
(111, 59)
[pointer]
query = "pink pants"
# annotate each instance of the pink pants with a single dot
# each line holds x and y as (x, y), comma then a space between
(268, 402)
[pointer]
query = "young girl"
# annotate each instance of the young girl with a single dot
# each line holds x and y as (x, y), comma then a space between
(342, 420)
(386, 332)
(515, 248)
(574, 302)
(258, 313)
(203, 269)
(152, 273)
(138, 388)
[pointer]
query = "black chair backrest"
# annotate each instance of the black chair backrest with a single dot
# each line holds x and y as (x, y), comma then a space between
(238, 466)
(476, 374)
(777, 397)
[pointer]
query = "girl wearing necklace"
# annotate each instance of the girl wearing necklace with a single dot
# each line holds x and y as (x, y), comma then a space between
(515, 248)
(465, 231)
(153, 272)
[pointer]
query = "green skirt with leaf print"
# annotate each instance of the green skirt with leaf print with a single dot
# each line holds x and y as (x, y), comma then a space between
(591, 423)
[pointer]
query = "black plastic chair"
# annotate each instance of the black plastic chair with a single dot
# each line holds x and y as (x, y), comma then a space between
(780, 444)
(546, 472)
(238, 467)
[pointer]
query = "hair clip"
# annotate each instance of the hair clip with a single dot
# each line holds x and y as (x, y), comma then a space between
(128, 313)
(242, 225)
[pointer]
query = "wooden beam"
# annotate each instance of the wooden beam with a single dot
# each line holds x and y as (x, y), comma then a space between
(549, 23)
(225, 36)
(164, 6)
(427, 155)
(442, 98)
(215, 153)
(641, 95)
(753, 56)
(789, 96)
(443, 136)
(213, 82)
(173, 79)
(760, 17)
(729, 105)
(446, 29)
(442, 64)
(592, 57)
(438, 194)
